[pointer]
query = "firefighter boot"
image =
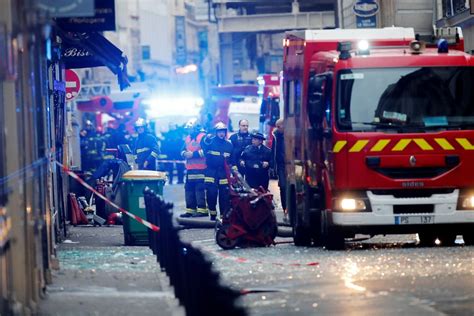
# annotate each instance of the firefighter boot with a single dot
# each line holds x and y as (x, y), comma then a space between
(189, 213)
(213, 214)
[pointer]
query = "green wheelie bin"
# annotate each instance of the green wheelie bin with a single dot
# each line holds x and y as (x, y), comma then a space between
(132, 199)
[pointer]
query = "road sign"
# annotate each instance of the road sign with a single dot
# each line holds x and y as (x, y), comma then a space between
(73, 84)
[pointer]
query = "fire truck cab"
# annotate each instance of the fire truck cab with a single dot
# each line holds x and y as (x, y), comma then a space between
(231, 103)
(379, 135)
(269, 89)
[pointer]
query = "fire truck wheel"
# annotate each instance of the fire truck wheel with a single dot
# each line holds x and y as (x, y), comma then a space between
(448, 239)
(301, 236)
(427, 239)
(223, 240)
(331, 239)
(468, 239)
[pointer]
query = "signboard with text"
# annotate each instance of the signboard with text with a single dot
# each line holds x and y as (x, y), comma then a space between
(365, 11)
(67, 8)
(102, 20)
(180, 33)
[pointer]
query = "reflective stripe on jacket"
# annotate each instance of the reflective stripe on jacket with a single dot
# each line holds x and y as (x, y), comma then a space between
(198, 161)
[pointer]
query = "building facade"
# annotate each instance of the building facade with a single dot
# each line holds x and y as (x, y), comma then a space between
(251, 33)
(458, 13)
(31, 108)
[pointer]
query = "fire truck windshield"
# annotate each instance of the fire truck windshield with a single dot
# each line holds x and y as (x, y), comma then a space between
(405, 99)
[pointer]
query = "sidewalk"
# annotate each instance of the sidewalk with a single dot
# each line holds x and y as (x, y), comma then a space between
(100, 276)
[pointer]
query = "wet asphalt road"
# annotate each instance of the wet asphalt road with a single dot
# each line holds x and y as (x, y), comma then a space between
(381, 276)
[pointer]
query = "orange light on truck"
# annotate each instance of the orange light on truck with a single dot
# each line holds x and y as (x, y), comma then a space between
(347, 204)
(468, 202)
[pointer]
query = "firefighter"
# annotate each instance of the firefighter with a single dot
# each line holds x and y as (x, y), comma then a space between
(257, 159)
(240, 141)
(92, 148)
(218, 151)
(146, 147)
(278, 154)
(194, 188)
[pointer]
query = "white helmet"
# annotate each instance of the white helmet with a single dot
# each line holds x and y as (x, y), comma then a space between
(140, 123)
(191, 124)
(220, 126)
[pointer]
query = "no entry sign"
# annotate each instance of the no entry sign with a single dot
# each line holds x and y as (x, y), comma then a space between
(73, 84)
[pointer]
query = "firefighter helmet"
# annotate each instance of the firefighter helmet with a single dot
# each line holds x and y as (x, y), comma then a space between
(89, 126)
(220, 126)
(191, 124)
(140, 123)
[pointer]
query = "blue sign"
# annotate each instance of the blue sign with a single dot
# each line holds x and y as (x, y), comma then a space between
(365, 11)
(67, 8)
(102, 20)
(366, 8)
(363, 23)
(180, 40)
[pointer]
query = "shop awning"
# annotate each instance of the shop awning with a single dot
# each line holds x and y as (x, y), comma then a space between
(85, 50)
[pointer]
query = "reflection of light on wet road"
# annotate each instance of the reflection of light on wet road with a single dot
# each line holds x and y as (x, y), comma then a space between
(351, 270)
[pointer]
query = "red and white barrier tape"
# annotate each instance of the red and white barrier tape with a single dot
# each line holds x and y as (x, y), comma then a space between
(138, 219)
(171, 161)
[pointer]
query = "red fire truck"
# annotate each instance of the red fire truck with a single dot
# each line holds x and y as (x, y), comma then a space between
(269, 88)
(231, 103)
(379, 135)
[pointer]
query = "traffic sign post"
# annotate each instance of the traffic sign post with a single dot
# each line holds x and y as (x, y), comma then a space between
(73, 84)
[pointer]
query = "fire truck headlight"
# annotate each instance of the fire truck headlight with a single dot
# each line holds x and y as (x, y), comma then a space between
(347, 204)
(468, 202)
(363, 45)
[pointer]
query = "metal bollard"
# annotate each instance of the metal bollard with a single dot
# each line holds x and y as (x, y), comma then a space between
(196, 284)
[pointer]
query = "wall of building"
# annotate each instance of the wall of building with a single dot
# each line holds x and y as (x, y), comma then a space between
(156, 35)
(403, 13)
(27, 117)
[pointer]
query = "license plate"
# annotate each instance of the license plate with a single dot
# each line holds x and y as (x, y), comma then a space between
(408, 220)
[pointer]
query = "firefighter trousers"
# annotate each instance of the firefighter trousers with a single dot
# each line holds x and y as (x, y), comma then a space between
(221, 191)
(194, 191)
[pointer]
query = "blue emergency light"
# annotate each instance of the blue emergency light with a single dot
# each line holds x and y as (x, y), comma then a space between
(443, 46)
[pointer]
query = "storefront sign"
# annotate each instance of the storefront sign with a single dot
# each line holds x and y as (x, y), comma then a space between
(79, 57)
(102, 20)
(67, 8)
(365, 11)
(180, 30)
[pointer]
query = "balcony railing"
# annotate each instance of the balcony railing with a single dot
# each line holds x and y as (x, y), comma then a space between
(276, 22)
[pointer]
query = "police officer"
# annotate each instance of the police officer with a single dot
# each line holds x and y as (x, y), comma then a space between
(240, 141)
(194, 188)
(146, 147)
(218, 151)
(257, 159)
